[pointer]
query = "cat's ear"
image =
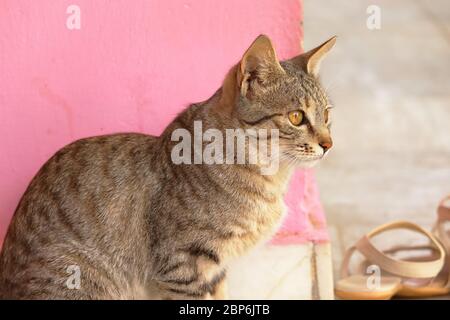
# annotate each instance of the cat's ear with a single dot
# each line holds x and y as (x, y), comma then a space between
(310, 61)
(258, 66)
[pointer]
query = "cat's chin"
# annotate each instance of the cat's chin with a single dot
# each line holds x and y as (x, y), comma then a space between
(306, 164)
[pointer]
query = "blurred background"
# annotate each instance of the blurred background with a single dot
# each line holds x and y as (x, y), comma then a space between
(391, 121)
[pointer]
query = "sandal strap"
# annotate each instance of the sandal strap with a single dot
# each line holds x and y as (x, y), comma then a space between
(407, 269)
(443, 210)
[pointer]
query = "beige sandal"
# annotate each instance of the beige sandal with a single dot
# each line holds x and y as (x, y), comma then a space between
(441, 283)
(439, 231)
(412, 277)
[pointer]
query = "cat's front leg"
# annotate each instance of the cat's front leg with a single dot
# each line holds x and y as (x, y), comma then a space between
(198, 278)
(202, 291)
(221, 290)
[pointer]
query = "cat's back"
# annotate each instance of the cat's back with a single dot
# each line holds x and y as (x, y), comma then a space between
(85, 200)
(91, 170)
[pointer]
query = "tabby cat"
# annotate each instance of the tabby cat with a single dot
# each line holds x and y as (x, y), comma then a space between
(112, 217)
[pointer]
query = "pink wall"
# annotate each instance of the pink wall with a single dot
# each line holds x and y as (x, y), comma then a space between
(131, 67)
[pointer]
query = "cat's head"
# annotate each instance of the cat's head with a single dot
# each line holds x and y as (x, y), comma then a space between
(286, 96)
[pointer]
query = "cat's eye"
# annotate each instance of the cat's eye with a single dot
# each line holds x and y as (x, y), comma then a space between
(295, 117)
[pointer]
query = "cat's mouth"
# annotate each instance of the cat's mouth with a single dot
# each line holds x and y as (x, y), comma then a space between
(309, 163)
(302, 160)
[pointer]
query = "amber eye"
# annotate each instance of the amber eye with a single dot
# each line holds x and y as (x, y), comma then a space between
(295, 117)
(326, 116)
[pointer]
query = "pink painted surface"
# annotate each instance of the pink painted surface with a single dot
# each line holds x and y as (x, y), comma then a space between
(305, 220)
(132, 66)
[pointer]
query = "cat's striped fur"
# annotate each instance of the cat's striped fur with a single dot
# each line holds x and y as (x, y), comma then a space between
(139, 226)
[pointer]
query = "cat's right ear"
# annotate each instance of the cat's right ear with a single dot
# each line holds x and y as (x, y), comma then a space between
(257, 67)
(310, 61)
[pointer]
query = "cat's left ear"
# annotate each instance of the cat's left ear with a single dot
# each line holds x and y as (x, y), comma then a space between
(258, 66)
(310, 61)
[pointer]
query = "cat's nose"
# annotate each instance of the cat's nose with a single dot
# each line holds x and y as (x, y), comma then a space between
(326, 145)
